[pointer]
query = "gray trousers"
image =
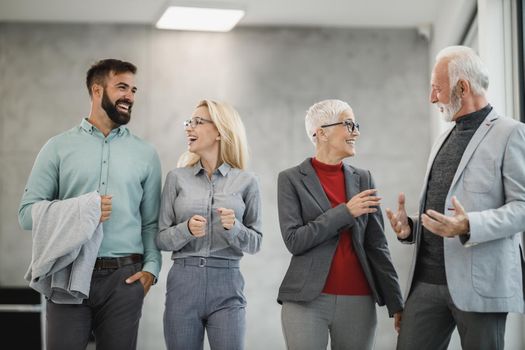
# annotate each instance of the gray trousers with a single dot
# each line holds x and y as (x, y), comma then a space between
(112, 313)
(205, 295)
(430, 317)
(349, 319)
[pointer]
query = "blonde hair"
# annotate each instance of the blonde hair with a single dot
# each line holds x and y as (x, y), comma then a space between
(233, 143)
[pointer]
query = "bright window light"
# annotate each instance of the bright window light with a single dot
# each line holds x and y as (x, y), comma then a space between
(199, 18)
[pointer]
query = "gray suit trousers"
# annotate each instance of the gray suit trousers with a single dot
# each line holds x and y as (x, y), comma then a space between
(430, 317)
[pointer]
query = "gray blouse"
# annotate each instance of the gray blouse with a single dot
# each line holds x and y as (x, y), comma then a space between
(189, 191)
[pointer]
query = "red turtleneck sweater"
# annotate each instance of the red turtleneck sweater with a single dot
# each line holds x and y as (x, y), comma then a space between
(346, 276)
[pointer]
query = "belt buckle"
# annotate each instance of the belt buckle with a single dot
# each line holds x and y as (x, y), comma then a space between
(202, 262)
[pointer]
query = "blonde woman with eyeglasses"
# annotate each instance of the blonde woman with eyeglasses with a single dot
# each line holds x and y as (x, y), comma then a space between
(210, 216)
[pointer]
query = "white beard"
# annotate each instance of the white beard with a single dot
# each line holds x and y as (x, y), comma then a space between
(449, 110)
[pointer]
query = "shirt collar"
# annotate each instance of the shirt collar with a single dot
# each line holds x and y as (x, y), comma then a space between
(88, 127)
(223, 169)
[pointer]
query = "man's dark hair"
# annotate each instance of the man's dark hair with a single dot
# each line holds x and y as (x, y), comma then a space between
(98, 72)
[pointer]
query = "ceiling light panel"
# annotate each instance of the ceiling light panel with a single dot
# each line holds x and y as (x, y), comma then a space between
(199, 18)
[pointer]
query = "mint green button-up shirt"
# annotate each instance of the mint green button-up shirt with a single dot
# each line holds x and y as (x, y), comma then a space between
(82, 160)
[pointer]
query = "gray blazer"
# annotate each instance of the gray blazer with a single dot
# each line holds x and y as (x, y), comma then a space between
(66, 239)
(310, 228)
(484, 272)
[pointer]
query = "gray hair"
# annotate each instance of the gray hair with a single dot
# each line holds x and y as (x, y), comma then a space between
(321, 113)
(464, 63)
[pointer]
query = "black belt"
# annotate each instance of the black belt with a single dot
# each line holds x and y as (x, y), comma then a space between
(115, 263)
(207, 262)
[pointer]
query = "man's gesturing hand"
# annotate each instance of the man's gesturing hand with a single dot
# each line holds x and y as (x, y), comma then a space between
(447, 226)
(399, 220)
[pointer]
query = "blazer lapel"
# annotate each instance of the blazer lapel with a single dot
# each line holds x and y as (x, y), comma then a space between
(352, 182)
(353, 187)
(313, 185)
(485, 126)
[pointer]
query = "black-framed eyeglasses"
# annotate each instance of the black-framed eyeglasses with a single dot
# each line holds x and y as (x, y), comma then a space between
(349, 123)
(193, 122)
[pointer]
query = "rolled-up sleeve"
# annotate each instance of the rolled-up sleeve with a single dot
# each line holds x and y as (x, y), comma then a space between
(41, 185)
(149, 210)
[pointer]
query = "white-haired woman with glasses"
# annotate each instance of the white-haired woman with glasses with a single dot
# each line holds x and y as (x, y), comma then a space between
(332, 225)
(210, 216)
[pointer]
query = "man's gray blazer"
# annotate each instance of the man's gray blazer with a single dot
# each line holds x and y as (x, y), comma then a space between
(310, 228)
(484, 272)
(66, 239)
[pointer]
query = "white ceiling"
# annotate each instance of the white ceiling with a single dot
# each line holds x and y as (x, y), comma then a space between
(325, 13)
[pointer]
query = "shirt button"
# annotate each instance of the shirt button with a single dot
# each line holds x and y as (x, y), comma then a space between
(103, 183)
(105, 142)
(104, 162)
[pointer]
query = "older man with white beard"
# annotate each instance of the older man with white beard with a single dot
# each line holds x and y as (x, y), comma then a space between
(467, 266)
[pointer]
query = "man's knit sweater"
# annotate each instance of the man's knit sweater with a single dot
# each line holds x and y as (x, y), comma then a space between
(430, 267)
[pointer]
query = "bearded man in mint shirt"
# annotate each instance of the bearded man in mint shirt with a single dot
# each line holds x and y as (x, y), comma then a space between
(102, 155)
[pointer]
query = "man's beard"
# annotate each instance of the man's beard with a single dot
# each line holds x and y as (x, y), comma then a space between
(119, 118)
(450, 109)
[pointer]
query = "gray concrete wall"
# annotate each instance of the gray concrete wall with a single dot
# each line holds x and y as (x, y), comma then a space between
(271, 75)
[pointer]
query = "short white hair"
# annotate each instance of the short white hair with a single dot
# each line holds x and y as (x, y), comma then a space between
(464, 63)
(322, 113)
